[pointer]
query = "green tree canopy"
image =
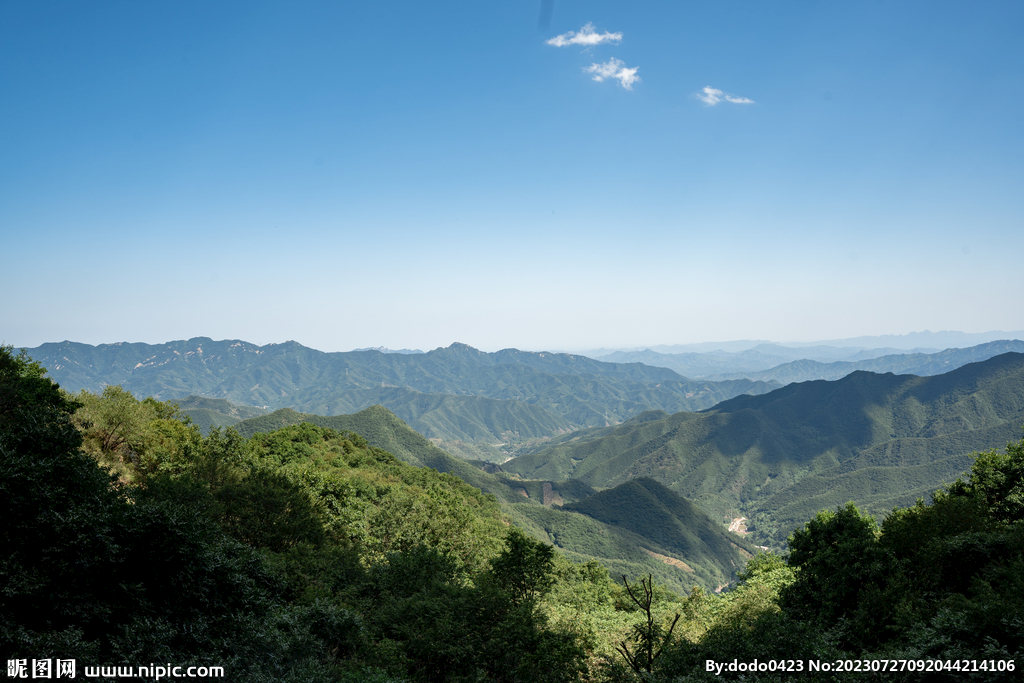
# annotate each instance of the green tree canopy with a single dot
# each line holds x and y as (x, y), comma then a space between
(997, 480)
(835, 556)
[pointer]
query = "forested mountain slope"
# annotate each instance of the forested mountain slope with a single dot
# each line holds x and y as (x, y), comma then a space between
(383, 429)
(448, 393)
(683, 547)
(670, 524)
(881, 440)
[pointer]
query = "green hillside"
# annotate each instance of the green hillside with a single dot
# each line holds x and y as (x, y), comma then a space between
(666, 549)
(879, 440)
(670, 526)
(383, 429)
(685, 536)
(215, 412)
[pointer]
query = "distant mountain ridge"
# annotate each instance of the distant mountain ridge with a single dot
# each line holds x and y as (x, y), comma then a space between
(762, 357)
(456, 393)
(921, 364)
(942, 339)
(771, 362)
(913, 341)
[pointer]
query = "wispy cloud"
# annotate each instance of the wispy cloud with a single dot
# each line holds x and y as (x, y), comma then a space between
(712, 96)
(586, 36)
(614, 68)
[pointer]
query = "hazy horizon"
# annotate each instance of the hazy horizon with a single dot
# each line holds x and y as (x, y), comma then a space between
(938, 340)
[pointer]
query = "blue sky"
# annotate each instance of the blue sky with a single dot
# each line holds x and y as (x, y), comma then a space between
(409, 174)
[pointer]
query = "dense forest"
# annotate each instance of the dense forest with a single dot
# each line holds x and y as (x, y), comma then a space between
(306, 553)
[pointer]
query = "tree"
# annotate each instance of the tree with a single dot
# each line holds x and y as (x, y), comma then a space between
(997, 481)
(268, 510)
(135, 439)
(86, 574)
(836, 555)
(24, 384)
(34, 412)
(524, 568)
(52, 502)
(113, 421)
(766, 568)
(650, 638)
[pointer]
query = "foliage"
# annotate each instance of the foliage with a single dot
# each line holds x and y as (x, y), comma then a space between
(523, 569)
(997, 482)
(132, 437)
(88, 575)
(24, 386)
(267, 510)
(34, 412)
(836, 556)
(299, 553)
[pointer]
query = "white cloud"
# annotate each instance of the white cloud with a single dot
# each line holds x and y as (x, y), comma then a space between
(712, 96)
(586, 36)
(614, 68)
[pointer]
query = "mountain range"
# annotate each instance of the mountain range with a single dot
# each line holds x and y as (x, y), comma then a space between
(482, 403)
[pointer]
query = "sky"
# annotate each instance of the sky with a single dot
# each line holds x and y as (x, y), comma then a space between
(538, 175)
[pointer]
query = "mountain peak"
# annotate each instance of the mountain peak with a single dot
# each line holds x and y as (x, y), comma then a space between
(459, 346)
